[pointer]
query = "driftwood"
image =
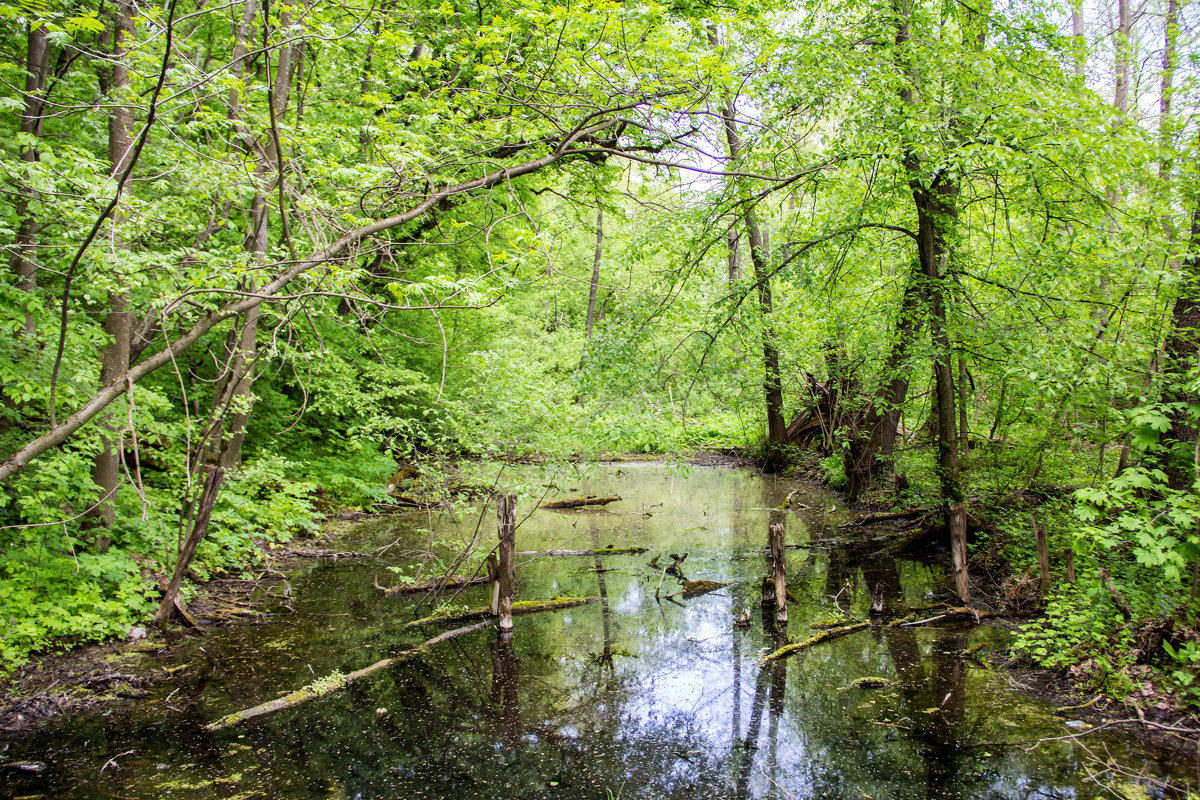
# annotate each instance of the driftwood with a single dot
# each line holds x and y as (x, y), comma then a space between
(519, 607)
(433, 584)
(578, 502)
(823, 636)
(599, 551)
(337, 681)
(333, 554)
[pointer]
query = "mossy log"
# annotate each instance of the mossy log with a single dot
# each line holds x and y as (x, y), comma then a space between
(823, 636)
(599, 551)
(519, 607)
(579, 502)
(455, 582)
(336, 681)
(697, 588)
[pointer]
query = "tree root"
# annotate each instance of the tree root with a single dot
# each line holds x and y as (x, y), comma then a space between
(337, 681)
(519, 607)
(823, 636)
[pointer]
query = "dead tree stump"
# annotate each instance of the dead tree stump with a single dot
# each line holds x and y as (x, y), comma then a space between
(780, 571)
(506, 528)
(1043, 558)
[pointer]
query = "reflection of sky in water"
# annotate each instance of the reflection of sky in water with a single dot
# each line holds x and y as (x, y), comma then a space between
(546, 716)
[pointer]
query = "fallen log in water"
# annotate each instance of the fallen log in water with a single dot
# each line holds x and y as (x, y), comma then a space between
(432, 584)
(884, 516)
(337, 681)
(599, 551)
(697, 588)
(519, 607)
(951, 613)
(823, 636)
(578, 502)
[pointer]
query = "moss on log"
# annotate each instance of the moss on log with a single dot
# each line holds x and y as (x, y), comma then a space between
(519, 607)
(823, 636)
(579, 502)
(336, 681)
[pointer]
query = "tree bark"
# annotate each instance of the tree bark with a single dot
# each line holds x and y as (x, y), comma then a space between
(1181, 351)
(506, 512)
(24, 260)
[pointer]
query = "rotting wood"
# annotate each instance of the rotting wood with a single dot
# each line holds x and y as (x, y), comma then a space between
(1043, 558)
(599, 551)
(506, 529)
(779, 565)
(823, 636)
(336, 682)
(331, 554)
(433, 584)
(518, 608)
(579, 502)
(658, 588)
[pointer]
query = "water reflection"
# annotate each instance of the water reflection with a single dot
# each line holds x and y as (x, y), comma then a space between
(626, 697)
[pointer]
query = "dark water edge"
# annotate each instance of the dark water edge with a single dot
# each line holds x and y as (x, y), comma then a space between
(627, 697)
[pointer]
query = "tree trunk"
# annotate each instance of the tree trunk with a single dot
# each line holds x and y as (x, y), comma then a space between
(208, 499)
(777, 438)
(506, 512)
(24, 259)
(119, 322)
(591, 311)
(779, 570)
(1122, 52)
(1078, 38)
(1181, 350)
(874, 436)
(734, 256)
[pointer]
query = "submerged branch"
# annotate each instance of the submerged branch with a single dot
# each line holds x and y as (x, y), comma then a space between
(823, 636)
(337, 681)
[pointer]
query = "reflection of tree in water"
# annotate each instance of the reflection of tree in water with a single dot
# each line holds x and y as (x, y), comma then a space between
(505, 698)
(934, 698)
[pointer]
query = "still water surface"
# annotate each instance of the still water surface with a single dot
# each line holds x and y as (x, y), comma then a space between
(630, 697)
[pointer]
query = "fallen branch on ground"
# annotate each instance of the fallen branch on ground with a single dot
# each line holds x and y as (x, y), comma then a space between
(519, 607)
(337, 681)
(823, 636)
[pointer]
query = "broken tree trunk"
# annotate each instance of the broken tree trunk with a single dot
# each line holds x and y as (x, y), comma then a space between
(336, 682)
(577, 502)
(506, 527)
(1043, 558)
(823, 636)
(208, 499)
(779, 565)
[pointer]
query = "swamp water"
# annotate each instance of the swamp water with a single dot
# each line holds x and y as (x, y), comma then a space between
(628, 697)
